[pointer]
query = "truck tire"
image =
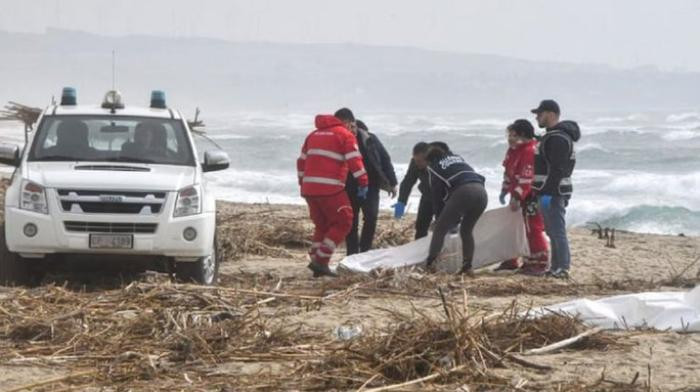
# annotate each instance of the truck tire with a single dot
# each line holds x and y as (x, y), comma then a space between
(204, 271)
(14, 270)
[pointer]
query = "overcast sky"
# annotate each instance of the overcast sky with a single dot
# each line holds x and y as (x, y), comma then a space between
(627, 33)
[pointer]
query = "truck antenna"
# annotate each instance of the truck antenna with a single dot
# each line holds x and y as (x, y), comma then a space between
(114, 70)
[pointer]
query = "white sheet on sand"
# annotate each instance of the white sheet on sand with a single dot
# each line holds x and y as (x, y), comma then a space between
(499, 235)
(677, 311)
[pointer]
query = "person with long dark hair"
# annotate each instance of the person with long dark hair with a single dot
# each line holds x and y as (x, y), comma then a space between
(458, 195)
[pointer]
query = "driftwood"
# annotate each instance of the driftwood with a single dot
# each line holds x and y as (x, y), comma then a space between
(564, 343)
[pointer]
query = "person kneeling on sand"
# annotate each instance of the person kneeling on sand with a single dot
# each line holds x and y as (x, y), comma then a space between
(458, 193)
(326, 156)
(517, 182)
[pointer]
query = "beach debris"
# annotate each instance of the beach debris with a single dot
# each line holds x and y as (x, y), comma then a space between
(347, 332)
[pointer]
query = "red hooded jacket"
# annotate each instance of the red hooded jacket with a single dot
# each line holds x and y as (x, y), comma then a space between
(327, 155)
(519, 170)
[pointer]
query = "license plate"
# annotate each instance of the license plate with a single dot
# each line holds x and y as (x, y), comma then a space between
(111, 241)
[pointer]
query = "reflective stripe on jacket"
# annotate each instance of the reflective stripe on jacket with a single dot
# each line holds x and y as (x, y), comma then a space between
(329, 153)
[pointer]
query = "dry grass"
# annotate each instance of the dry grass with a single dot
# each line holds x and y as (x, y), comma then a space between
(174, 333)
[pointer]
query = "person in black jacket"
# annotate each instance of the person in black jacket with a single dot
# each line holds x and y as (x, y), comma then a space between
(381, 177)
(555, 160)
(458, 194)
(417, 171)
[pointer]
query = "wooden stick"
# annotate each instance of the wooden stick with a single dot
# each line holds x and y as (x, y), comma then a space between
(51, 381)
(563, 343)
(416, 381)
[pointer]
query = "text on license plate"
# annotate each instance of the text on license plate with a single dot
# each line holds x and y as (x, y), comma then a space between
(111, 241)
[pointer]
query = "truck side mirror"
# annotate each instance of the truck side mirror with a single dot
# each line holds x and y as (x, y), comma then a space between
(215, 160)
(9, 154)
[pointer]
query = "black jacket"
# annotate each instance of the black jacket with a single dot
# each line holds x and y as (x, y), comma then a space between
(377, 162)
(447, 174)
(555, 160)
(413, 175)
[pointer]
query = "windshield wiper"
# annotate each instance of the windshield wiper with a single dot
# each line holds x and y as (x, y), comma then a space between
(129, 159)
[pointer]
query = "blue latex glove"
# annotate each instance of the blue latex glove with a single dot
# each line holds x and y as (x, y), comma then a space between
(502, 197)
(362, 192)
(399, 210)
(545, 201)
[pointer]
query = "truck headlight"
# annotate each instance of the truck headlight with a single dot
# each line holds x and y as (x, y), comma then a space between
(33, 198)
(188, 202)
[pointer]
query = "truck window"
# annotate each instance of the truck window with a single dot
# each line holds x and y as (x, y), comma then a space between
(112, 138)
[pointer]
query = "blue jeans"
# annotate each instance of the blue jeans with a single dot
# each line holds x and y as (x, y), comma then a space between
(555, 227)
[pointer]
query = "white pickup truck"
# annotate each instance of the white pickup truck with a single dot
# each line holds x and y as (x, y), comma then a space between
(109, 183)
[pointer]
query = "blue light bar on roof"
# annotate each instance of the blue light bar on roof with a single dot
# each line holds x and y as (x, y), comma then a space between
(158, 99)
(69, 97)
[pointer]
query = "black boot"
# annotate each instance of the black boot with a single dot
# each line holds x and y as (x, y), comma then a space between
(467, 269)
(320, 270)
(430, 265)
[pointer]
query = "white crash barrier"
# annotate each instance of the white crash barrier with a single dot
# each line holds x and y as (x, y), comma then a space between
(676, 311)
(499, 235)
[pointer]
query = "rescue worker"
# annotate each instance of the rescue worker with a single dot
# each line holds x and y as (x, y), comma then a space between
(327, 155)
(517, 182)
(417, 171)
(380, 172)
(555, 160)
(458, 194)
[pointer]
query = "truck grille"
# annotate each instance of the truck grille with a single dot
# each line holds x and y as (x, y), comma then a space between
(108, 227)
(111, 202)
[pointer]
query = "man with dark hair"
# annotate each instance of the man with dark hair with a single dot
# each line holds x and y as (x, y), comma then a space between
(417, 171)
(381, 177)
(555, 160)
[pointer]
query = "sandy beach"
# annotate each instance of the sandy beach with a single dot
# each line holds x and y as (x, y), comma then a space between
(78, 333)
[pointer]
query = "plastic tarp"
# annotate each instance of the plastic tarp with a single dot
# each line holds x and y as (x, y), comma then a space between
(676, 311)
(499, 235)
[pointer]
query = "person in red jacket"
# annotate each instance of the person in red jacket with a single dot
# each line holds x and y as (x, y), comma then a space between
(328, 154)
(517, 182)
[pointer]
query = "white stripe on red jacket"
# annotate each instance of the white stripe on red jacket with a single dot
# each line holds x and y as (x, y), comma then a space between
(328, 154)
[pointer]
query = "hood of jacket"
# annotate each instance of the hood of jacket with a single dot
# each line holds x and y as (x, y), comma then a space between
(569, 127)
(324, 121)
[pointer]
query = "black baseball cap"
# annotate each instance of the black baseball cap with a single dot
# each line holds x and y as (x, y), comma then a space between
(548, 105)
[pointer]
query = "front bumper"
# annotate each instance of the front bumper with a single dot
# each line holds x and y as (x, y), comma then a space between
(52, 236)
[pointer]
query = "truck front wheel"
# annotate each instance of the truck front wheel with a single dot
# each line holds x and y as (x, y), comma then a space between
(14, 270)
(204, 271)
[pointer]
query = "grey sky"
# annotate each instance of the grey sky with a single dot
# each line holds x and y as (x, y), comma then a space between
(617, 32)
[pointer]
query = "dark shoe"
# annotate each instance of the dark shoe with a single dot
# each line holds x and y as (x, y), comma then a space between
(561, 274)
(550, 273)
(533, 270)
(467, 271)
(508, 265)
(320, 270)
(430, 266)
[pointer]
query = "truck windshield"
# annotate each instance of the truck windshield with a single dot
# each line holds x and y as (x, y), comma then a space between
(112, 139)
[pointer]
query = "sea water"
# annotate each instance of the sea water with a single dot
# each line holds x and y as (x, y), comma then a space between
(635, 171)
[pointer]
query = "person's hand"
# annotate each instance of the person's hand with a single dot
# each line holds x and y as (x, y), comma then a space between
(362, 192)
(545, 201)
(392, 192)
(502, 197)
(514, 204)
(399, 209)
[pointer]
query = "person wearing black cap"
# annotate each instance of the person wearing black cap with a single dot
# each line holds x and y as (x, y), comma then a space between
(555, 160)
(381, 177)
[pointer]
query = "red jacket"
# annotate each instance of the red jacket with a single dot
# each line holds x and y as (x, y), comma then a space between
(327, 155)
(519, 170)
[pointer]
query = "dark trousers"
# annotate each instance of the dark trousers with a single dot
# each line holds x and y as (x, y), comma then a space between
(370, 212)
(467, 202)
(425, 216)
